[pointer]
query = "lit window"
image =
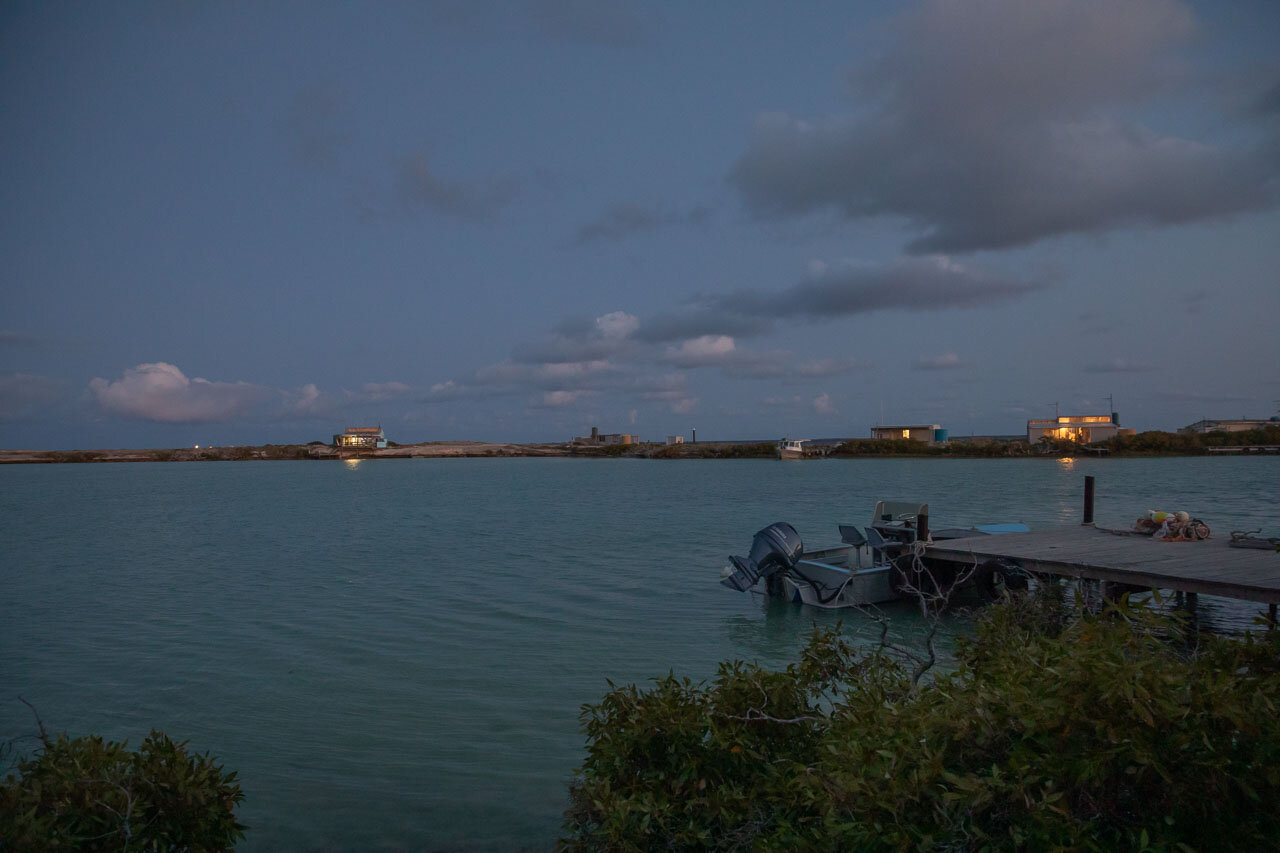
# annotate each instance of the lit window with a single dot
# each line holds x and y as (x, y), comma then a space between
(906, 433)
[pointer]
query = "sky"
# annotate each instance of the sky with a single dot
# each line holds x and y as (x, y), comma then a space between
(247, 223)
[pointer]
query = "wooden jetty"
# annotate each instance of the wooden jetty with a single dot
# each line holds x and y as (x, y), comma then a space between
(1085, 551)
(1209, 566)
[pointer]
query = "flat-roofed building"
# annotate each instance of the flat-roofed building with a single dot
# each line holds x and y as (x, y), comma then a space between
(1082, 429)
(1237, 425)
(675, 439)
(361, 437)
(598, 437)
(927, 433)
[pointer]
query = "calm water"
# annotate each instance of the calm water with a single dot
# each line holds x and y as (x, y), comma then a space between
(393, 653)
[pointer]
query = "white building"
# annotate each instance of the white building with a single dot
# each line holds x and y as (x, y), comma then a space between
(1082, 429)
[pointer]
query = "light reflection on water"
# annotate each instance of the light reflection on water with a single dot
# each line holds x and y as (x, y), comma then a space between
(393, 653)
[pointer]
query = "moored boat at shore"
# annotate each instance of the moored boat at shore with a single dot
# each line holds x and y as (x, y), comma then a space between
(865, 568)
(792, 448)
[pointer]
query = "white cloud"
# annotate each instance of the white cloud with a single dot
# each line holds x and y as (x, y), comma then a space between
(701, 351)
(378, 391)
(159, 391)
(308, 401)
(555, 399)
(822, 404)
(617, 325)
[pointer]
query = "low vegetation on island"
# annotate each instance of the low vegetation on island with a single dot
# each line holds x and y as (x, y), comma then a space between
(1056, 729)
(1151, 443)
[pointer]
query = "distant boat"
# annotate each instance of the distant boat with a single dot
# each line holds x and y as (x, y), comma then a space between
(791, 448)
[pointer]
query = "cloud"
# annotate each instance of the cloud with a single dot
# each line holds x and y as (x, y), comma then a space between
(701, 351)
(551, 375)
(610, 23)
(946, 361)
(1118, 365)
(556, 399)
(998, 123)
(617, 325)
(308, 401)
(376, 392)
(422, 188)
(822, 367)
(911, 284)
(700, 317)
(822, 404)
(614, 353)
(844, 289)
(623, 220)
(579, 340)
(161, 392)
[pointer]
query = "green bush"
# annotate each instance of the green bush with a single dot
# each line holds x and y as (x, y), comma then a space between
(86, 793)
(1084, 733)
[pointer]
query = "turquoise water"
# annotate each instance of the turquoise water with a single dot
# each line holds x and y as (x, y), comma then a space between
(393, 653)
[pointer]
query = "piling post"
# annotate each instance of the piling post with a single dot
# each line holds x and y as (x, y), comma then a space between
(922, 527)
(1088, 500)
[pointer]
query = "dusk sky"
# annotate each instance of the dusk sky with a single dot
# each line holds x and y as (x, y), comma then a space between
(241, 223)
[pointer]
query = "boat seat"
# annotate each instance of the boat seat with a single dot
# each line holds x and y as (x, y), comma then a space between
(851, 535)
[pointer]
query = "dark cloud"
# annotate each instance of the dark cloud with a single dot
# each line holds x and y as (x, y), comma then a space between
(699, 317)
(611, 23)
(908, 284)
(622, 220)
(422, 188)
(998, 123)
(912, 284)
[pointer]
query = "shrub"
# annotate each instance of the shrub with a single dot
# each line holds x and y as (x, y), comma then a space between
(1089, 733)
(86, 793)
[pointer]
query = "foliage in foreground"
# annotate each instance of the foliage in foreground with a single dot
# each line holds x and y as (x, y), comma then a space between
(1051, 733)
(89, 794)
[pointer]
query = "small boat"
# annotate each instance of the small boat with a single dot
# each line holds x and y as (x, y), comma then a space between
(863, 569)
(792, 448)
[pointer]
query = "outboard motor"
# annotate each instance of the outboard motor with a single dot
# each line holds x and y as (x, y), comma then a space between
(774, 549)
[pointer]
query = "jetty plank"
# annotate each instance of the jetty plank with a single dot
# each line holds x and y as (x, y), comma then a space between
(1085, 551)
